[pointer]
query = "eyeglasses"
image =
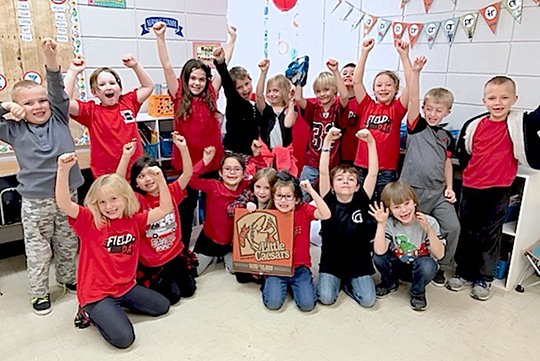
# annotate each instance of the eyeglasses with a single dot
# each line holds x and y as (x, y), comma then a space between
(287, 197)
(232, 169)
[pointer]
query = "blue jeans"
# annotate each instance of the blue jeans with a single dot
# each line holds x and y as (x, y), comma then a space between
(361, 289)
(420, 272)
(275, 290)
(111, 320)
(311, 174)
(383, 178)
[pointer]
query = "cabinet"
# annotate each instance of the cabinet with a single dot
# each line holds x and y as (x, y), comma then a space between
(526, 230)
(156, 135)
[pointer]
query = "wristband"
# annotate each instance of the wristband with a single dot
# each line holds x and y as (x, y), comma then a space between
(325, 149)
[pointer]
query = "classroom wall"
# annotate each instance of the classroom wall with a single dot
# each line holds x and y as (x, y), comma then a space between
(463, 67)
(109, 33)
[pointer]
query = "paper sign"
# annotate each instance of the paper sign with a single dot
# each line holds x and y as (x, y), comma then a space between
(398, 29)
(414, 32)
(431, 30)
(491, 15)
(450, 27)
(204, 51)
(468, 21)
(263, 242)
(33, 76)
(170, 22)
(3, 82)
(382, 29)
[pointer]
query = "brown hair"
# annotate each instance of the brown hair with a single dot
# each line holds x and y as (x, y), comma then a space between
(398, 192)
(238, 73)
(440, 95)
(271, 176)
(283, 84)
(95, 74)
(184, 109)
(499, 80)
(343, 168)
(392, 76)
(20, 85)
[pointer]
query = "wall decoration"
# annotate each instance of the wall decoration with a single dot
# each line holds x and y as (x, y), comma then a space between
(369, 22)
(398, 28)
(414, 30)
(514, 7)
(431, 30)
(33, 76)
(108, 3)
(490, 14)
(204, 50)
(3, 82)
(170, 22)
(468, 21)
(284, 5)
(382, 28)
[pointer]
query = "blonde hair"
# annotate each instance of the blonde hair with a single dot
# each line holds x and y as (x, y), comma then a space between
(325, 80)
(398, 192)
(23, 85)
(440, 95)
(118, 186)
(283, 84)
(499, 80)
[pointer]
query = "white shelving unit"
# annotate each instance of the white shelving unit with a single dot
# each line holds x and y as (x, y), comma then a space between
(158, 124)
(526, 230)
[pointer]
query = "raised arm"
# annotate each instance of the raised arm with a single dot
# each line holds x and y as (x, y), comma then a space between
(343, 93)
(165, 200)
(49, 47)
(163, 54)
(414, 89)
(187, 166)
(17, 112)
(147, 84)
(358, 79)
(380, 213)
(76, 67)
(65, 162)
(373, 161)
(290, 114)
(322, 212)
(324, 162)
(402, 48)
(260, 100)
(299, 97)
(127, 152)
(229, 50)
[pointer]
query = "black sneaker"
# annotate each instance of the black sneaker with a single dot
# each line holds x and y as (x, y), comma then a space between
(418, 303)
(439, 280)
(382, 291)
(41, 305)
(69, 287)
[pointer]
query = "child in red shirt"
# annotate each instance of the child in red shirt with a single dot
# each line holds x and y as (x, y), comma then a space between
(113, 122)
(382, 115)
(109, 228)
(287, 197)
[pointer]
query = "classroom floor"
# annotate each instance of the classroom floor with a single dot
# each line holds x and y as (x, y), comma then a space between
(227, 321)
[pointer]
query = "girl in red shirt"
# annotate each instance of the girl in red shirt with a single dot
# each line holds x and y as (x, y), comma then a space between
(287, 197)
(109, 229)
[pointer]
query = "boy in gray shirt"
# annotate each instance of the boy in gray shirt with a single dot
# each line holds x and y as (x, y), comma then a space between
(38, 134)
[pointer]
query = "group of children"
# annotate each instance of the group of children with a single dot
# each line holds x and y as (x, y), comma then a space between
(134, 229)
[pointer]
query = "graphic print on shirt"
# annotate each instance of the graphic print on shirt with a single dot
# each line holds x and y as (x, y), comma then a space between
(128, 116)
(357, 216)
(319, 131)
(120, 244)
(406, 250)
(381, 123)
(162, 233)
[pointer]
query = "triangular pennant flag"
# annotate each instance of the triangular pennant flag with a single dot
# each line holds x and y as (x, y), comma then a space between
(514, 7)
(415, 29)
(490, 14)
(351, 9)
(336, 6)
(450, 27)
(398, 29)
(431, 30)
(403, 3)
(369, 22)
(427, 4)
(358, 20)
(382, 29)
(468, 21)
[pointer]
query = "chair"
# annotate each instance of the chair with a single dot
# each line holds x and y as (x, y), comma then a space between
(533, 256)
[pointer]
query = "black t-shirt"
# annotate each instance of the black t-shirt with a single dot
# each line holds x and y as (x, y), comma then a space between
(346, 237)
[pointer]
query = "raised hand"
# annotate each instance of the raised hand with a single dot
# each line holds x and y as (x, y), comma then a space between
(179, 140)
(365, 135)
(129, 61)
(49, 47)
(15, 109)
(332, 65)
(332, 135)
(367, 45)
(219, 55)
(155, 172)
(208, 154)
(66, 161)
(256, 147)
(159, 29)
(402, 47)
(77, 65)
(421, 217)
(419, 63)
(129, 148)
(264, 65)
(379, 212)
(306, 186)
(233, 31)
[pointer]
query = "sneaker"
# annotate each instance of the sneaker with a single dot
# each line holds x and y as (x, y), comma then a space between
(481, 290)
(418, 303)
(457, 283)
(69, 287)
(439, 280)
(41, 305)
(382, 291)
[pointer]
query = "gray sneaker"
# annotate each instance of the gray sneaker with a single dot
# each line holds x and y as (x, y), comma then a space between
(481, 290)
(457, 283)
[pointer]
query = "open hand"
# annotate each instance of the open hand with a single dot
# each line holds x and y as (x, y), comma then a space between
(419, 63)
(379, 212)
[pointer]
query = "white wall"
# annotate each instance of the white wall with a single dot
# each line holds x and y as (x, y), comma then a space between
(108, 33)
(462, 67)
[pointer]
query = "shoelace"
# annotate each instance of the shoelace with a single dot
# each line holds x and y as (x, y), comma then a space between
(39, 300)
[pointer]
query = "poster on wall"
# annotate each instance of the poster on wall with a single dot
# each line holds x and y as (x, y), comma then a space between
(263, 242)
(204, 51)
(108, 3)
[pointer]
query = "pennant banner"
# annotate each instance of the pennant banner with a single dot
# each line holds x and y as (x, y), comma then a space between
(398, 29)
(431, 30)
(358, 20)
(468, 21)
(414, 32)
(403, 3)
(490, 14)
(450, 27)
(427, 4)
(369, 22)
(382, 29)
(514, 7)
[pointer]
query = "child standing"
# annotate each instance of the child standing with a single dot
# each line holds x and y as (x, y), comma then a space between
(287, 195)
(428, 162)
(165, 263)
(349, 118)
(109, 228)
(37, 142)
(113, 122)
(381, 115)
(487, 177)
(321, 116)
(406, 245)
(346, 235)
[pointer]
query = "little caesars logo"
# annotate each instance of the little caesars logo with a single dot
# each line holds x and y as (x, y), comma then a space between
(272, 251)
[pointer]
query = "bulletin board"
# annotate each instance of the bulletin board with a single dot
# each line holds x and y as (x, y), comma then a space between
(24, 24)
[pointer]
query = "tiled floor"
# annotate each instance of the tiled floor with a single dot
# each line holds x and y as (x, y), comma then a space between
(227, 321)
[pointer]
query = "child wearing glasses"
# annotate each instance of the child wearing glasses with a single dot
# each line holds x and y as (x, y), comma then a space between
(287, 197)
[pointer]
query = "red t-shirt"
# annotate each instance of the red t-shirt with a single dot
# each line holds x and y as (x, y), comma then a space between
(492, 163)
(110, 128)
(201, 128)
(348, 122)
(108, 256)
(218, 225)
(383, 121)
(163, 239)
(303, 215)
(320, 123)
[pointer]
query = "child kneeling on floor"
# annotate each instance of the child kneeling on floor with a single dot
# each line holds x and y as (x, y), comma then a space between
(407, 245)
